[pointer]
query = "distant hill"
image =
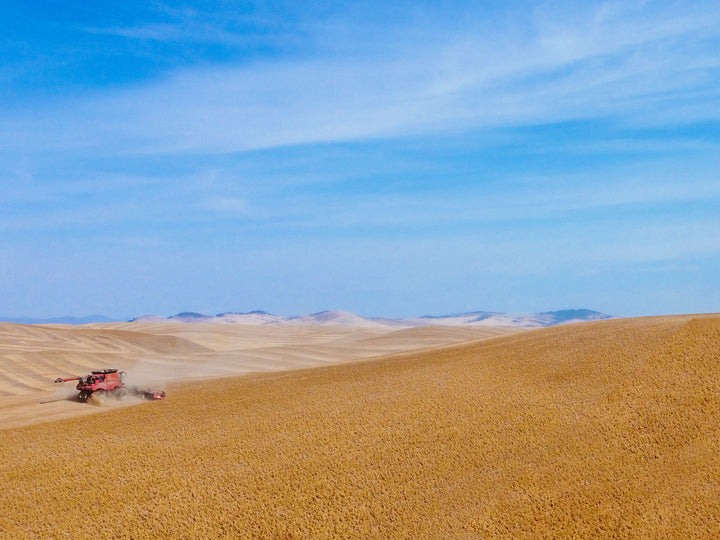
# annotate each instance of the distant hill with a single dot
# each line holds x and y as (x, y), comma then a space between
(572, 315)
(345, 318)
(190, 316)
(333, 318)
(59, 320)
(254, 312)
(148, 318)
(251, 317)
(531, 320)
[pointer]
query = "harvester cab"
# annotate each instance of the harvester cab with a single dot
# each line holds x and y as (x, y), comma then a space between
(100, 383)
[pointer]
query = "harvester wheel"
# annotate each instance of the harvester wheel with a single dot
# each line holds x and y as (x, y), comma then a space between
(99, 395)
(121, 393)
(82, 396)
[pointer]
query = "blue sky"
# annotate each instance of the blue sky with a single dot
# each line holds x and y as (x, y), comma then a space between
(405, 159)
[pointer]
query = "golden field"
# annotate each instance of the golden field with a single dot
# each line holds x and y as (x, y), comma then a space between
(597, 430)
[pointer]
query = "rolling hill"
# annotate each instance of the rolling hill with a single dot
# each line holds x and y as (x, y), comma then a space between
(157, 352)
(345, 318)
(601, 430)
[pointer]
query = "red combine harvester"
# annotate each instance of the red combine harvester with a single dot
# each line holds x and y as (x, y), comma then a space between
(100, 383)
(109, 382)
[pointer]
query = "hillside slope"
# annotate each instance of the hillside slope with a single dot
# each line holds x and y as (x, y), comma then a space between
(155, 353)
(605, 429)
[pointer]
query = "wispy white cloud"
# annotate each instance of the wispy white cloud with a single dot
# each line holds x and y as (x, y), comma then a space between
(630, 196)
(155, 32)
(639, 64)
(185, 32)
(232, 27)
(227, 205)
